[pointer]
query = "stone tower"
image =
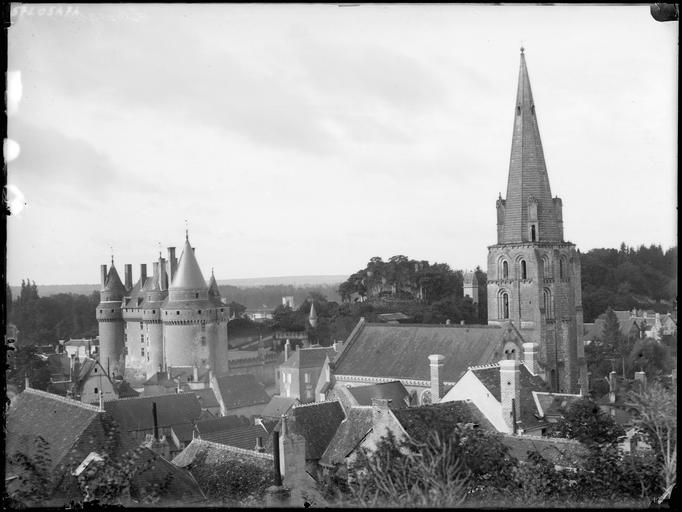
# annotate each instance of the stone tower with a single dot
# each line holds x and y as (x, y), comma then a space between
(110, 320)
(153, 295)
(136, 351)
(471, 286)
(194, 327)
(533, 274)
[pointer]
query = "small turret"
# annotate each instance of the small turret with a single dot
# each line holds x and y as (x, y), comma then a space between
(312, 317)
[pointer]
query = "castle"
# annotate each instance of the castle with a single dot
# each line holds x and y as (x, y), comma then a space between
(169, 320)
(533, 273)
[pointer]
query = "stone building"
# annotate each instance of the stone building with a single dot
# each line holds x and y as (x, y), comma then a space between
(171, 319)
(533, 273)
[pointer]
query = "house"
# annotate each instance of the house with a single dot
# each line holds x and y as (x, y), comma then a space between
(300, 372)
(379, 352)
(136, 416)
(278, 406)
(305, 434)
(503, 392)
(553, 406)
(240, 395)
(219, 470)
(261, 314)
(351, 432)
(63, 432)
(183, 378)
(82, 348)
(393, 391)
(246, 437)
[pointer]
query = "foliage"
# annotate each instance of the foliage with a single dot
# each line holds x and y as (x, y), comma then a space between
(409, 475)
(655, 411)
(587, 423)
(231, 481)
(651, 357)
(33, 483)
(628, 278)
(23, 362)
(236, 309)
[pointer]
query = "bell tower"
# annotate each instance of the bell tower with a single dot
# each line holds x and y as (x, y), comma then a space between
(533, 273)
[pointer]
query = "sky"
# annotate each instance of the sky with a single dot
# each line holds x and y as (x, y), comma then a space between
(307, 139)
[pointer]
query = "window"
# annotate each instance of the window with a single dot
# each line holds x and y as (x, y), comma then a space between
(96, 390)
(199, 311)
(523, 269)
(561, 268)
(203, 341)
(177, 312)
(505, 270)
(505, 305)
(147, 356)
(196, 295)
(548, 304)
(306, 378)
(142, 351)
(141, 338)
(141, 325)
(533, 234)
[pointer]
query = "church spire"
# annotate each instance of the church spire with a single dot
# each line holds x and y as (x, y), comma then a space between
(528, 214)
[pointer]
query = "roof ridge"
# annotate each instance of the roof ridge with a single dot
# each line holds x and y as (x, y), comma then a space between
(484, 366)
(152, 396)
(63, 399)
(315, 403)
(229, 448)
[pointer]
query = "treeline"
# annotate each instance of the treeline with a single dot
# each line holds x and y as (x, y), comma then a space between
(627, 278)
(271, 295)
(42, 320)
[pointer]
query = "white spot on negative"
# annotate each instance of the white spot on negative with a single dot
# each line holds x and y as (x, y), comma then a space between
(14, 91)
(14, 199)
(10, 149)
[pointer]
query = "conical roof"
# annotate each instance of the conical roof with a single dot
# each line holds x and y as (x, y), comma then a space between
(313, 314)
(214, 291)
(113, 282)
(188, 275)
(528, 181)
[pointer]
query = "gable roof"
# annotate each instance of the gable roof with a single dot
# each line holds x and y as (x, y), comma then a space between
(124, 389)
(309, 357)
(241, 391)
(279, 405)
(401, 351)
(553, 404)
(59, 421)
(420, 422)
(244, 437)
(220, 424)
(136, 413)
(393, 391)
(490, 378)
(206, 397)
(214, 454)
(348, 436)
(317, 423)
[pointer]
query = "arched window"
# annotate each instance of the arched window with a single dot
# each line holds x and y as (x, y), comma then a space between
(523, 269)
(505, 305)
(533, 234)
(549, 313)
(505, 270)
(561, 268)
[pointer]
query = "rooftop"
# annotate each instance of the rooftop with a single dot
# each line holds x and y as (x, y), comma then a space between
(393, 391)
(136, 413)
(348, 436)
(241, 391)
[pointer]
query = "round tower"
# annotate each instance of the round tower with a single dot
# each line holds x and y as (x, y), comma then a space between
(189, 318)
(154, 295)
(219, 360)
(110, 319)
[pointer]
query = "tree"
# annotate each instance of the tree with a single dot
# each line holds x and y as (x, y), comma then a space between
(650, 357)
(655, 411)
(23, 363)
(587, 423)
(236, 309)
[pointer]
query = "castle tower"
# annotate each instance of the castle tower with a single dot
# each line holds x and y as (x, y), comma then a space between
(134, 338)
(191, 322)
(110, 320)
(533, 274)
(218, 328)
(154, 296)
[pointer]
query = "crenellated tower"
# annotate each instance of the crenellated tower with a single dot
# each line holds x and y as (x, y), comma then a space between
(110, 320)
(533, 273)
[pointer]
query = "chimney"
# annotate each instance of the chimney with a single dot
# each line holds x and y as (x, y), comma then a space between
(436, 364)
(287, 348)
(128, 271)
(195, 373)
(275, 453)
(612, 387)
(163, 276)
(156, 422)
(259, 445)
(640, 377)
(168, 372)
(530, 358)
(103, 275)
(143, 272)
(173, 262)
(510, 392)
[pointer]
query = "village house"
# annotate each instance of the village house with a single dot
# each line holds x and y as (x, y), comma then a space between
(301, 370)
(240, 395)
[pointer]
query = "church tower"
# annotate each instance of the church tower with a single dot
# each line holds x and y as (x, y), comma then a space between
(533, 273)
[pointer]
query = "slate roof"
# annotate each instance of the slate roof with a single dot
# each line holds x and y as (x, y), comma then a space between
(348, 436)
(393, 391)
(553, 404)
(401, 351)
(317, 423)
(309, 357)
(136, 413)
(420, 422)
(160, 379)
(563, 452)
(206, 397)
(188, 275)
(392, 317)
(221, 424)
(241, 391)
(60, 421)
(279, 405)
(490, 378)
(184, 432)
(217, 454)
(125, 390)
(240, 437)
